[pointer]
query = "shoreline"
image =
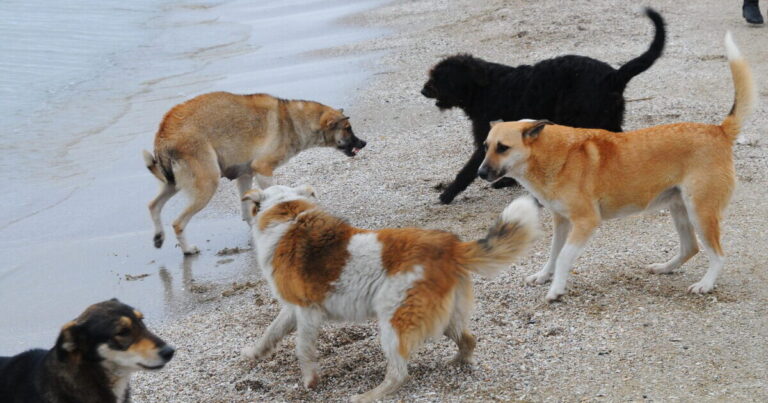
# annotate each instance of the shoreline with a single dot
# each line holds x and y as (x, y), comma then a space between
(620, 334)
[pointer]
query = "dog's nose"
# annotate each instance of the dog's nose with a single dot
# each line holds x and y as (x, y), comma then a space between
(166, 352)
(362, 143)
(483, 172)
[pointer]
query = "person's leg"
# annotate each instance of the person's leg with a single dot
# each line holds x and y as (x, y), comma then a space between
(751, 12)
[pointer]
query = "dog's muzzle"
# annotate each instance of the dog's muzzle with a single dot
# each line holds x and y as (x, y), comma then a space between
(353, 146)
(488, 174)
(428, 92)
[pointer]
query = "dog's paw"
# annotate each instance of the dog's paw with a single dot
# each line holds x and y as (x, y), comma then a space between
(661, 268)
(447, 197)
(191, 250)
(311, 380)
(554, 295)
(539, 278)
(461, 361)
(254, 353)
(702, 287)
(361, 398)
(159, 238)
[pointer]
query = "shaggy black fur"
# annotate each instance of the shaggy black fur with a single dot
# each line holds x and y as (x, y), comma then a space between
(569, 90)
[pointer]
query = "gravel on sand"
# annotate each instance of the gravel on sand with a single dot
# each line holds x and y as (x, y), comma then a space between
(620, 333)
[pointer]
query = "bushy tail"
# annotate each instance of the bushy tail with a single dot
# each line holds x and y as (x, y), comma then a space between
(511, 236)
(646, 60)
(744, 100)
(161, 172)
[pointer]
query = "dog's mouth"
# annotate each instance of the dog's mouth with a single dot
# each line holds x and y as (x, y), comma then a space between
(353, 147)
(152, 367)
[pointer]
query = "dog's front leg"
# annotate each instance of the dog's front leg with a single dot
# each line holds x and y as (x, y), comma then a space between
(264, 181)
(308, 323)
(464, 178)
(561, 226)
(284, 323)
(244, 184)
(581, 230)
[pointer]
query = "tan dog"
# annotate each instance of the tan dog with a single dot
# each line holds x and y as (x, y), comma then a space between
(235, 136)
(415, 282)
(585, 175)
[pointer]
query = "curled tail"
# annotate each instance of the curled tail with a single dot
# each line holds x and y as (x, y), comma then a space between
(162, 172)
(646, 60)
(511, 235)
(744, 100)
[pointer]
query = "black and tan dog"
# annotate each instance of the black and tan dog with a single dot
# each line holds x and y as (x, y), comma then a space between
(585, 176)
(570, 90)
(92, 360)
(235, 136)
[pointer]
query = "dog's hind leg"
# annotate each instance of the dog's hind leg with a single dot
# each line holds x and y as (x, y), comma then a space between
(705, 213)
(308, 322)
(199, 180)
(457, 326)
(688, 245)
(464, 178)
(284, 323)
(561, 226)
(397, 364)
(155, 208)
(582, 228)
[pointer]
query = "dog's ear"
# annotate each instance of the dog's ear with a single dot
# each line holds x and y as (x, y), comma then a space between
(67, 343)
(495, 122)
(532, 131)
(307, 191)
(330, 120)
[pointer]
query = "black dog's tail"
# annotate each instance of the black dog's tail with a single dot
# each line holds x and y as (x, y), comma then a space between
(646, 60)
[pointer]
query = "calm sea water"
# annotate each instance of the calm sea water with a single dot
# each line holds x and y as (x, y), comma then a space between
(83, 86)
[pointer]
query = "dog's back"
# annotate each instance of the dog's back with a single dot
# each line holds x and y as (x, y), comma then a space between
(21, 377)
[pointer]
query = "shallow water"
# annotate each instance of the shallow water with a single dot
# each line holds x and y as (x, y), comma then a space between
(83, 86)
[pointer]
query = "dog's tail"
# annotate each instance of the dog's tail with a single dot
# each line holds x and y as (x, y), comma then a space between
(511, 236)
(646, 60)
(744, 100)
(162, 171)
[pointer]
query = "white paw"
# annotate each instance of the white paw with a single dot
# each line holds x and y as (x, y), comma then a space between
(539, 278)
(311, 380)
(554, 295)
(702, 287)
(361, 398)
(661, 268)
(192, 250)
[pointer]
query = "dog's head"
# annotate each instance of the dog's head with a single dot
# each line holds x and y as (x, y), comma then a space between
(337, 132)
(454, 80)
(263, 200)
(508, 147)
(113, 334)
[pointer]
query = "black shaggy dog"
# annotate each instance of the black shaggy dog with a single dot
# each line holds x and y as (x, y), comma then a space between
(569, 90)
(92, 360)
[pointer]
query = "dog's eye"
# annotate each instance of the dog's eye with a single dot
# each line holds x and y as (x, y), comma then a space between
(500, 148)
(485, 147)
(124, 332)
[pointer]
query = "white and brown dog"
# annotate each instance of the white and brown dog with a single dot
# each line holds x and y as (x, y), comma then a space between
(415, 282)
(587, 175)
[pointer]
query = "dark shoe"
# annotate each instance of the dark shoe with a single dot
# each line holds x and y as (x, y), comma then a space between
(751, 12)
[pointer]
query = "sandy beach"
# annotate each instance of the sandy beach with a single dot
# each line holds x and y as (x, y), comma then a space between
(620, 333)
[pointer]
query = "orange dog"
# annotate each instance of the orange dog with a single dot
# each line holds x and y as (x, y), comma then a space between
(415, 282)
(586, 175)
